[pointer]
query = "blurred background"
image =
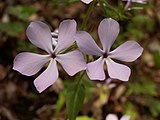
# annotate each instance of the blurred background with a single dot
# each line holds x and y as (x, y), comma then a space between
(139, 97)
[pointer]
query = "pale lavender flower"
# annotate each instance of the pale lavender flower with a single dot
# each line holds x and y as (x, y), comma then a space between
(108, 31)
(87, 1)
(39, 34)
(114, 117)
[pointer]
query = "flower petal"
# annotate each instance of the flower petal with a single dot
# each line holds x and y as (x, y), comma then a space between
(118, 71)
(40, 35)
(125, 117)
(47, 78)
(111, 117)
(128, 51)
(108, 31)
(86, 44)
(67, 30)
(29, 63)
(87, 1)
(72, 62)
(95, 70)
(128, 4)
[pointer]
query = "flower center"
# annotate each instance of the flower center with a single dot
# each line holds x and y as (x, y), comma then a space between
(53, 55)
(105, 55)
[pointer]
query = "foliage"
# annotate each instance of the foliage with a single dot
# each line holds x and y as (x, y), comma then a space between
(143, 86)
(22, 12)
(149, 91)
(130, 110)
(154, 106)
(12, 28)
(75, 95)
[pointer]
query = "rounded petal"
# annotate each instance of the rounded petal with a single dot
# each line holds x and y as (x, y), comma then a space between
(87, 1)
(87, 45)
(108, 31)
(128, 51)
(111, 117)
(67, 31)
(29, 63)
(72, 62)
(40, 35)
(47, 78)
(118, 71)
(125, 117)
(95, 70)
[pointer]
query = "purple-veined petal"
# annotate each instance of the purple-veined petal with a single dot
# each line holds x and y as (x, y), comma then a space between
(86, 44)
(72, 62)
(67, 31)
(29, 63)
(128, 51)
(108, 31)
(118, 71)
(125, 117)
(47, 78)
(40, 35)
(87, 1)
(111, 117)
(95, 70)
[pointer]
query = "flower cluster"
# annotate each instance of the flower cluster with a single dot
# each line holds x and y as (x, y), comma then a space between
(73, 62)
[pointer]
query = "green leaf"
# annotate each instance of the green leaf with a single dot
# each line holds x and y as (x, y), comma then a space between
(74, 99)
(143, 86)
(137, 33)
(108, 10)
(12, 28)
(84, 118)
(22, 12)
(87, 82)
(89, 87)
(154, 106)
(144, 22)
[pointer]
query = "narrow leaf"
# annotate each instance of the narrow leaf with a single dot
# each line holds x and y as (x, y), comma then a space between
(74, 100)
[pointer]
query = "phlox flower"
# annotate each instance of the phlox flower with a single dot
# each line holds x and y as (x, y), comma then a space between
(114, 117)
(87, 1)
(108, 31)
(39, 34)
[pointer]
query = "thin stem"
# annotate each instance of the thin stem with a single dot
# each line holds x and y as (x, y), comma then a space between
(89, 11)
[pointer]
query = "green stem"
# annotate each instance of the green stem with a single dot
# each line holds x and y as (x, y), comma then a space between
(89, 11)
